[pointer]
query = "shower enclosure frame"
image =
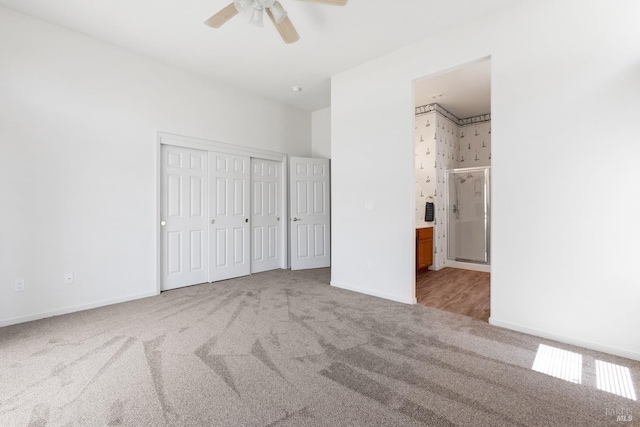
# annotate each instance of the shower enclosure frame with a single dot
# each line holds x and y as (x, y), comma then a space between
(486, 170)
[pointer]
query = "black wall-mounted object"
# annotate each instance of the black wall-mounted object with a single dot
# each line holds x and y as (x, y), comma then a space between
(429, 214)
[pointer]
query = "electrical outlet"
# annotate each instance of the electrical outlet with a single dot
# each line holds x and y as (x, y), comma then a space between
(68, 278)
(19, 285)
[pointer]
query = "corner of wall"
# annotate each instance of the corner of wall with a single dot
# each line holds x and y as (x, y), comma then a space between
(321, 133)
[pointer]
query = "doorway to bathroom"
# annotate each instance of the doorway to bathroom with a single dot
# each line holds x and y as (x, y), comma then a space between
(453, 189)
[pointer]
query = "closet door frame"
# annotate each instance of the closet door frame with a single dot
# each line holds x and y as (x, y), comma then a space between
(219, 147)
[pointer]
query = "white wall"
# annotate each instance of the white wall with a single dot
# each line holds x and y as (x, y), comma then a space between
(563, 265)
(321, 133)
(78, 123)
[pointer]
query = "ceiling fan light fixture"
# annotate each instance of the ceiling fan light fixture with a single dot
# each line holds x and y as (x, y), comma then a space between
(254, 10)
(243, 6)
(278, 13)
(257, 15)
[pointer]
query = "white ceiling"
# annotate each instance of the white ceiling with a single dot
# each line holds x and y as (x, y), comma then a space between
(466, 90)
(333, 38)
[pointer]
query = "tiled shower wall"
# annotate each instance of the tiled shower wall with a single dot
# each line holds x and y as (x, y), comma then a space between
(444, 142)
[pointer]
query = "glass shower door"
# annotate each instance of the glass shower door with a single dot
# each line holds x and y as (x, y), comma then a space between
(468, 215)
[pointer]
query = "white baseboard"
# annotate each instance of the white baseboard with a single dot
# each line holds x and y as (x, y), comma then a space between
(567, 340)
(74, 309)
(395, 298)
(468, 266)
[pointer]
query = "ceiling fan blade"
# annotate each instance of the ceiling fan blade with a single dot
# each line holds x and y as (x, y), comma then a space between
(285, 28)
(223, 16)
(331, 2)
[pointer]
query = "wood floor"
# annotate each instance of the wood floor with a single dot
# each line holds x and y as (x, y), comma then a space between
(459, 291)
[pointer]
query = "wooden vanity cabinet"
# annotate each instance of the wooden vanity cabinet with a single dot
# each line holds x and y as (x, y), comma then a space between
(424, 248)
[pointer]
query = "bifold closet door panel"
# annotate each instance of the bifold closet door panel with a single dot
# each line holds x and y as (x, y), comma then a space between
(229, 212)
(266, 215)
(309, 189)
(183, 217)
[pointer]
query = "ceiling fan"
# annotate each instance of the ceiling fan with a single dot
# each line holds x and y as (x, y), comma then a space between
(255, 9)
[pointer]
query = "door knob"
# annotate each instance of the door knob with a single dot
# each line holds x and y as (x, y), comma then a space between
(278, 218)
(213, 221)
(297, 219)
(162, 223)
(246, 220)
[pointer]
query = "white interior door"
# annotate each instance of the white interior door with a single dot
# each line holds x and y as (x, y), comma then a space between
(310, 213)
(266, 182)
(183, 217)
(229, 237)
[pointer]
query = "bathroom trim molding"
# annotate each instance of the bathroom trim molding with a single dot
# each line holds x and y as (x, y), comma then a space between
(435, 107)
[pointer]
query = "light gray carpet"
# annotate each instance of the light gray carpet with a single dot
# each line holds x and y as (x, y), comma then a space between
(283, 348)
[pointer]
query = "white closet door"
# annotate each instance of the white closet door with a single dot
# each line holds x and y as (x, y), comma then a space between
(266, 182)
(183, 217)
(229, 237)
(310, 214)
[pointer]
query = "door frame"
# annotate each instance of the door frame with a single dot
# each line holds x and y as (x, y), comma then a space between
(163, 138)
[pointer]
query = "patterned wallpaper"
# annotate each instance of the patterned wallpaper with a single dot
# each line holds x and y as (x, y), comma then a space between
(443, 141)
(425, 158)
(475, 145)
(447, 145)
